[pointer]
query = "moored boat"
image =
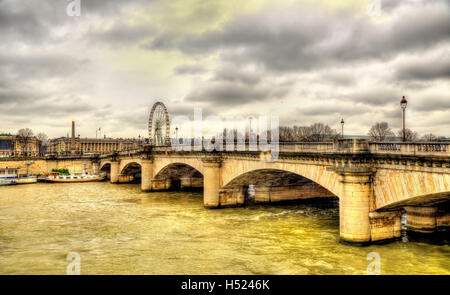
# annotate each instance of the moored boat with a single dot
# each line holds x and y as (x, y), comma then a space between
(56, 177)
(7, 182)
(26, 179)
(9, 176)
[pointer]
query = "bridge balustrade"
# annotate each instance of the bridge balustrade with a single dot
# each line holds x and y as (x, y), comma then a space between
(318, 147)
(410, 148)
(309, 147)
(340, 146)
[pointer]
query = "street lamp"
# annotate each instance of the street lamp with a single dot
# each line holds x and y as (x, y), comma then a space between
(403, 104)
(342, 124)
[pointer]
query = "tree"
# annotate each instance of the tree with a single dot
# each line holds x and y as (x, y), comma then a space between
(43, 143)
(24, 136)
(429, 137)
(315, 132)
(380, 131)
(321, 132)
(409, 135)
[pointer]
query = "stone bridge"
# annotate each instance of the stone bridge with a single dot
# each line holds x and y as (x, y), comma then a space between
(375, 182)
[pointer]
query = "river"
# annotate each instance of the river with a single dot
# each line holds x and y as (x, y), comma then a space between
(117, 229)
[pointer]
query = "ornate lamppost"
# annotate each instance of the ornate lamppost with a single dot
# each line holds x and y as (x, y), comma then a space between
(342, 124)
(403, 104)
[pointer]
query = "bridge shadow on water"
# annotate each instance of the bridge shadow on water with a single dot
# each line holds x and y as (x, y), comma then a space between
(437, 238)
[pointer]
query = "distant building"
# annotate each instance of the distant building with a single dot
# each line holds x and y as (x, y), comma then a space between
(64, 146)
(6, 146)
(80, 146)
(16, 146)
(28, 147)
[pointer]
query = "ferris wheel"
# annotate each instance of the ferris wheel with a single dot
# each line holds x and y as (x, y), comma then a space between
(159, 125)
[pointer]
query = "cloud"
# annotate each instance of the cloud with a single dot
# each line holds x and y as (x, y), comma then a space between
(425, 69)
(431, 102)
(40, 64)
(230, 86)
(238, 75)
(301, 40)
(303, 62)
(190, 70)
(374, 97)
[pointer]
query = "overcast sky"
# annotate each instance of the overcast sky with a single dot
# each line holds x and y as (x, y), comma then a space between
(304, 61)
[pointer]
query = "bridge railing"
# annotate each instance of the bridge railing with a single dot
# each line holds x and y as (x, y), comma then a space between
(411, 148)
(308, 147)
(340, 146)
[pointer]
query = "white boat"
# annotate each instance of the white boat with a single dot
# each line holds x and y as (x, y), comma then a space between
(8, 176)
(56, 177)
(12, 175)
(7, 182)
(27, 179)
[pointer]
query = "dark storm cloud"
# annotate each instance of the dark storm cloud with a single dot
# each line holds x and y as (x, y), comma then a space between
(231, 85)
(237, 75)
(428, 69)
(108, 7)
(190, 70)
(436, 102)
(8, 96)
(334, 109)
(306, 39)
(40, 65)
(339, 78)
(375, 97)
(46, 108)
(222, 93)
(28, 21)
(121, 34)
(32, 21)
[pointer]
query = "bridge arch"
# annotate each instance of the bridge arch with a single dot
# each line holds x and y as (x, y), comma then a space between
(130, 167)
(161, 163)
(394, 189)
(105, 166)
(319, 174)
(130, 171)
(178, 170)
(178, 176)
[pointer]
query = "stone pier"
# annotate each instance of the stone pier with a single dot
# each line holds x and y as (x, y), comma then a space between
(354, 222)
(147, 175)
(273, 194)
(115, 171)
(421, 219)
(385, 226)
(161, 184)
(231, 197)
(211, 178)
(191, 182)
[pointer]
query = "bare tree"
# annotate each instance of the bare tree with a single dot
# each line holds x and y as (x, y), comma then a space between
(321, 132)
(315, 132)
(380, 131)
(429, 137)
(24, 137)
(43, 143)
(409, 135)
